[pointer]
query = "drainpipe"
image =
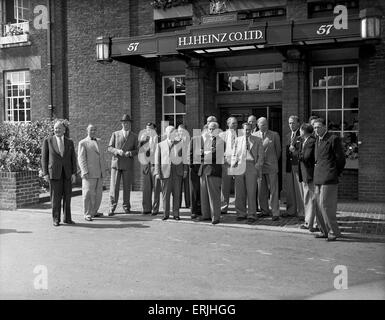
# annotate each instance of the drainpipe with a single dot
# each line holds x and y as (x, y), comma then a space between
(49, 59)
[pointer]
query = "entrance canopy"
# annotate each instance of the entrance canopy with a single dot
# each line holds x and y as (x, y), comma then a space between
(236, 36)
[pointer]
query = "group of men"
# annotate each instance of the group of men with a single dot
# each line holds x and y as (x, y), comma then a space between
(205, 167)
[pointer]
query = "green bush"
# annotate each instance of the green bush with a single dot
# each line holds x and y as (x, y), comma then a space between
(20, 145)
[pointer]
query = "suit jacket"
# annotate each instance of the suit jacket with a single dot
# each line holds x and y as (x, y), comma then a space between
(272, 147)
(329, 159)
(292, 157)
(147, 152)
(91, 159)
(118, 142)
(306, 160)
(53, 163)
(213, 168)
(240, 151)
(163, 159)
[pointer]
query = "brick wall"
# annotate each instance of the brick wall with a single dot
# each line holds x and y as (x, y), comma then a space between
(18, 189)
(348, 186)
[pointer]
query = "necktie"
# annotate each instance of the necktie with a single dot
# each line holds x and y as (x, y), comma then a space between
(247, 144)
(232, 140)
(61, 146)
(263, 135)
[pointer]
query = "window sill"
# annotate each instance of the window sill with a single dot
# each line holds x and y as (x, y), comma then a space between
(14, 41)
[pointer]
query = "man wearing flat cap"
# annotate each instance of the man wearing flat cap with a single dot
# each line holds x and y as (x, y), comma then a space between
(124, 147)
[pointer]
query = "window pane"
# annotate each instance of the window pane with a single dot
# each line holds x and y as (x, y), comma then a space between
(27, 77)
(14, 91)
(320, 114)
(180, 104)
(224, 81)
(334, 77)
(334, 120)
(28, 115)
(351, 98)
(179, 120)
(169, 118)
(334, 98)
(318, 99)
(278, 79)
(180, 85)
(21, 90)
(168, 104)
(21, 115)
(27, 90)
(350, 76)
(169, 85)
(237, 81)
(252, 81)
(319, 77)
(267, 80)
(351, 120)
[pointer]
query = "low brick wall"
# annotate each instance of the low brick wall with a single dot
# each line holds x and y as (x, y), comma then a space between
(18, 189)
(348, 186)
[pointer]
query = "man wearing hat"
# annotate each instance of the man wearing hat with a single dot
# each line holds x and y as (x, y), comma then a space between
(124, 147)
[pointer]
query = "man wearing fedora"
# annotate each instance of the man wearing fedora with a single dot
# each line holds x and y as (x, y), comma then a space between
(124, 147)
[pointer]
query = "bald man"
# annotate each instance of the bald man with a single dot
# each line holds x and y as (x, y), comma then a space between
(93, 170)
(268, 185)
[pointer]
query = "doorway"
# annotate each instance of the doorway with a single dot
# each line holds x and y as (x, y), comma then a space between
(272, 113)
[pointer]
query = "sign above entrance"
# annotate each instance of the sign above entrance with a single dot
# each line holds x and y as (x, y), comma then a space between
(200, 39)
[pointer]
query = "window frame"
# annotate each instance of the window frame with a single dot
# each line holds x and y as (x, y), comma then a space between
(8, 111)
(174, 95)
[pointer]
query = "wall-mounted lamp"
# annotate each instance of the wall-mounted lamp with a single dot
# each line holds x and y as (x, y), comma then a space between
(370, 23)
(103, 49)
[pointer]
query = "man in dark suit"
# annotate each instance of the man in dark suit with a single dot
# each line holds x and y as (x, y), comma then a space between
(184, 137)
(210, 173)
(195, 163)
(124, 147)
(329, 164)
(306, 172)
(294, 192)
(58, 163)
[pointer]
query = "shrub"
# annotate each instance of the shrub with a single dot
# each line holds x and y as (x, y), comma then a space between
(20, 145)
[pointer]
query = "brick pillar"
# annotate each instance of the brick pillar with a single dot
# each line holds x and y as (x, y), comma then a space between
(295, 97)
(200, 92)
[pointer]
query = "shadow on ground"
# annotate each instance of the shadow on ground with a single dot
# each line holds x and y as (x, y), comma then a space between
(4, 231)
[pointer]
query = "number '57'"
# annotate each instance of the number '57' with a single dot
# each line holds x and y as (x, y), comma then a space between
(324, 29)
(133, 46)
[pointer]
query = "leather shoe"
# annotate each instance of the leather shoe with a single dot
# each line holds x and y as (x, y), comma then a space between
(302, 226)
(321, 236)
(164, 218)
(146, 212)
(331, 238)
(275, 218)
(240, 218)
(56, 224)
(316, 229)
(215, 222)
(302, 219)
(69, 222)
(88, 218)
(250, 220)
(204, 219)
(154, 213)
(176, 218)
(98, 214)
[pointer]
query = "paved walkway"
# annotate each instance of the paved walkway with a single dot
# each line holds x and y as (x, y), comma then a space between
(356, 219)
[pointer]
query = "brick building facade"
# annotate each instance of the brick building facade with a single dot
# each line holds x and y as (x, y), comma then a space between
(284, 75)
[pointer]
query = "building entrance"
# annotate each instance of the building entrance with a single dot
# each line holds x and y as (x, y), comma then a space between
(272, 113)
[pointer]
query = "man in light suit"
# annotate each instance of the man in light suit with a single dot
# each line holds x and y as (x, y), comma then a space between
(294, 190)
(124, 147)
(229, 137)
(170, 169)
(184, 137)
(252, 120)
(268, 185)
(329, 165)
(58, 161)
(248, 161)
(93, 170)
(210, 172)
(148, 141)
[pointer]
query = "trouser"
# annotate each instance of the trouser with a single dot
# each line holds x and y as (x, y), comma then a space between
(185, 188)
(268, 185)
(92, 191)
(294, 193)
(245, 191)
(60, 189)
(326, 213)
(151, 184)
(310, 205)
(210, 197)
(195, 192)
(116, 175)
(225, 187)
(171, 186)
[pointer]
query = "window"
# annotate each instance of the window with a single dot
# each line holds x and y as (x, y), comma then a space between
(172, 24)
(334, 97)
(255, 80)
(174, 100)
(258, 15)
(320, 9)
(21, 10)
(17, 96)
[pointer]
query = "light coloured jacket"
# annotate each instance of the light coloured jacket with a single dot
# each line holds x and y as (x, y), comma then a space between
(91, 159)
